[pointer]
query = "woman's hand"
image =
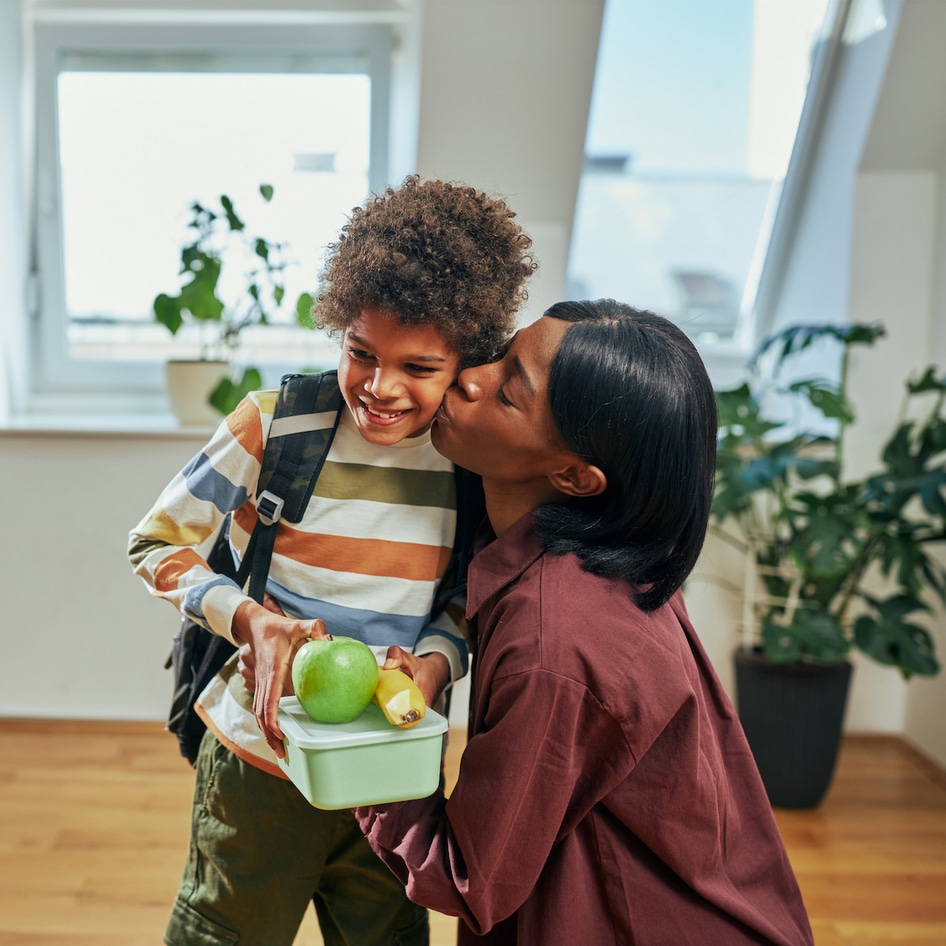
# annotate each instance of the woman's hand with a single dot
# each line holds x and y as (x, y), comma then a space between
(430, 672)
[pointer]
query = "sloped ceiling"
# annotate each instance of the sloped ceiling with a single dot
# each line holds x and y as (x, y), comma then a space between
(909, 127)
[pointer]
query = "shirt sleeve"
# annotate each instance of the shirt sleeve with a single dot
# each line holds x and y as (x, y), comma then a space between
(524, 781)
(446, 635)
(165, 547)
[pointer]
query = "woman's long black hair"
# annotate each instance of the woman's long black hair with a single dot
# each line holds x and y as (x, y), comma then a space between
(630, 394)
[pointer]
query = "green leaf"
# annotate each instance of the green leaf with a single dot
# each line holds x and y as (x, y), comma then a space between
(304, 306)
(740, 414)
(826, 398)
(934, 436)
(825, 545)
(193, 258)
(266, 190)
(929, 382)
(233, 221)
(809, 468)
(889, 639)
(228, 393)
(930, 489)
(797, 338)
(896, 453)
(907, 476)
(902, 552)
(167, 311)
(779, 643)
(199, 298)
(812, 635)
(202, 266)
(261, 249)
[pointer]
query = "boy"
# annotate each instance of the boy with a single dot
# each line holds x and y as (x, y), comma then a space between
(423, 281)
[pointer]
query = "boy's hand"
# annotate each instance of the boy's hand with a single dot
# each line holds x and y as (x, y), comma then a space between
(246, 664)
(272, 640)
(430, 672)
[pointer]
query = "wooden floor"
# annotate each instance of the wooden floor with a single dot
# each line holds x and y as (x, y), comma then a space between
(94, 827)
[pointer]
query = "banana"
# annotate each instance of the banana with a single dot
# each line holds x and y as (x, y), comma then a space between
(400, 698)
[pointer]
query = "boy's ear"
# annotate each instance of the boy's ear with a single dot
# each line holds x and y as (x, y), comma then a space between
(579, 479)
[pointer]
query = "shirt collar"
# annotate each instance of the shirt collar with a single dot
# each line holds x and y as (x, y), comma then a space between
(499, 561)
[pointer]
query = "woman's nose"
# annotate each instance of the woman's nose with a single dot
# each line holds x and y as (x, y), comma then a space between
(471, 381)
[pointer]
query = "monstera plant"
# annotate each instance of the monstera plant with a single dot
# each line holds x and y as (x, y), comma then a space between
(837, 562)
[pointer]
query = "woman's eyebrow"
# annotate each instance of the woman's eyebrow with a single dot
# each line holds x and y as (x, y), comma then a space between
(523, 375)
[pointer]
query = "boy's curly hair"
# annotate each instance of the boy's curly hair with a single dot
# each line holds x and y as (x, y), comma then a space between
(430, 253)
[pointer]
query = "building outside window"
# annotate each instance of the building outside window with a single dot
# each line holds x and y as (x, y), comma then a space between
(694, 118)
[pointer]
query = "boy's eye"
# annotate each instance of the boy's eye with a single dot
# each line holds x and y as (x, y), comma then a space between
(502, 396)
(421, 369)
(359, 354)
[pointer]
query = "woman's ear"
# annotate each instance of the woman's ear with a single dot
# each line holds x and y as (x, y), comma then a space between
(579, 479)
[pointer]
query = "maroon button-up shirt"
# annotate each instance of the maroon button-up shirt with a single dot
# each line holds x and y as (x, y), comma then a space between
(607, 794)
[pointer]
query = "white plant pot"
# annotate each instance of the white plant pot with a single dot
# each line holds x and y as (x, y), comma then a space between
(189, 385)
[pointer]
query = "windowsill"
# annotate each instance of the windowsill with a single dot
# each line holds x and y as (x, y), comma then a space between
(156, 426)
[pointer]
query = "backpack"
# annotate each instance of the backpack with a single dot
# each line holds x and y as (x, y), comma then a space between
(308, 409)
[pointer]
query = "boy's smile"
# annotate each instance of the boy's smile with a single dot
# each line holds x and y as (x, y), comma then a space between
(394, 376)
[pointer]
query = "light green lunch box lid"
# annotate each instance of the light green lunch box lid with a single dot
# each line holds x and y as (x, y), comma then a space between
(368, 728)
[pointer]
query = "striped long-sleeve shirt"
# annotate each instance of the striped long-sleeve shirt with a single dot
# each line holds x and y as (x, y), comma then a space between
(375, 538)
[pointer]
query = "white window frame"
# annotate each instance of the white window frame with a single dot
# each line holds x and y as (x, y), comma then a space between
(726, 361)
(112, 386)
(779, 241)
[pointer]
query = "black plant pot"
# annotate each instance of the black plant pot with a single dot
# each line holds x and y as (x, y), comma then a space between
(792, 714)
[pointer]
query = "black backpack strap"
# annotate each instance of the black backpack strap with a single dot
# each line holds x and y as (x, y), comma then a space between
(471, 508)
(308, 409)
(307, 412)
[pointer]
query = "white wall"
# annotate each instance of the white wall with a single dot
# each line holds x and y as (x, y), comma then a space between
(505, 90)
(898, 275)
(891, 273)
(81, 635)
(926, 704)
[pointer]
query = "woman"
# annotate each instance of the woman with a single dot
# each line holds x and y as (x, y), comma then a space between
(606, 793)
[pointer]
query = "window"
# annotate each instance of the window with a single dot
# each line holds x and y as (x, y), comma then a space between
(134, 124)
(693, 121)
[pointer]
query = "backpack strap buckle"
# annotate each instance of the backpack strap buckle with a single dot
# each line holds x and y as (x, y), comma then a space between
(269, 508)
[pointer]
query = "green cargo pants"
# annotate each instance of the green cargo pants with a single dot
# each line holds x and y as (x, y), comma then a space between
(260, 853)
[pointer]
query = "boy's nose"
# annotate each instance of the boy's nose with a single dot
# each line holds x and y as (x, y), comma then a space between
(382, 384)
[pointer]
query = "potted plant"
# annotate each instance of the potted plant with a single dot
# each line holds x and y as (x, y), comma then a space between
(217, 235)
(836, 563)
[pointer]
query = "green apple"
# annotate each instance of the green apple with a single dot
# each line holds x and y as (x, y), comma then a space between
(334, 680)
